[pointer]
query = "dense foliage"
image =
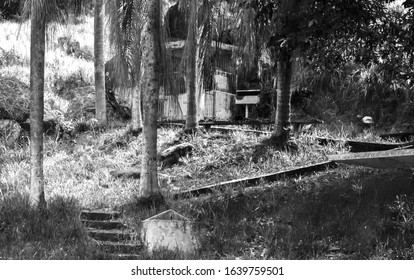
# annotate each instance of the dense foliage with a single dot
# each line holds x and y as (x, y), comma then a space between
(356, 54)
(14, 9)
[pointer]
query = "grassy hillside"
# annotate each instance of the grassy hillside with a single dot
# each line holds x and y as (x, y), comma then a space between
(348, 212)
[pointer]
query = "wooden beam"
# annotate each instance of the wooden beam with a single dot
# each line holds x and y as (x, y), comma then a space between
(248, 122)
(227, 129)
(401, 158)
(254, 180)
(358, 146)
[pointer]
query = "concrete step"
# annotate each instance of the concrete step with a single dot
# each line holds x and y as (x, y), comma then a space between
(99, 215)
(110, 235)
(121, 248)
(106, 224)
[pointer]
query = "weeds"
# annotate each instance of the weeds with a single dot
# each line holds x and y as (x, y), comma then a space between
(54, 233)
(334, 214)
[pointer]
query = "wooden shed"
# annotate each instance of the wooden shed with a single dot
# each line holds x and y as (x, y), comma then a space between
(217, 93)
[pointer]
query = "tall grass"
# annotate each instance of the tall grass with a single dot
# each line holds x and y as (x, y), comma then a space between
(54, 233)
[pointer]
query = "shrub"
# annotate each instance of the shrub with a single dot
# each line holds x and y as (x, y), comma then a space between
(14, 99)
(8, 58)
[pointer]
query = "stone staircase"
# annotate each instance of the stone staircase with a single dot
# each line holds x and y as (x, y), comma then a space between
(112, 235)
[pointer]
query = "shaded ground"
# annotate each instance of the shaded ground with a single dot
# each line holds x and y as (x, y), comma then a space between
(349, 213)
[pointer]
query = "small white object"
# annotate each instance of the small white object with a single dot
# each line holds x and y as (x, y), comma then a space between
(367, 120)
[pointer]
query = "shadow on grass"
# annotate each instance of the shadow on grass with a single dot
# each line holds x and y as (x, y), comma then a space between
(352, 213)
(54, 233)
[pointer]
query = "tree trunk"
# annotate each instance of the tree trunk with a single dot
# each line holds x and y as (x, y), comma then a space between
(136, 106)
(191, 66)
(199, 78)
(136, 121)
(282, 118)
(37, 73)
(100, 102)
(150, 67)
(286, 20)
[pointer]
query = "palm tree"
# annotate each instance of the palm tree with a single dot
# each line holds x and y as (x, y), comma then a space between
(150, 81)
(288, 25)
(37, 74)
(203, 26)
(100, 95)
(253, 36)
(191, 66)
(282, 119)
(41, 12)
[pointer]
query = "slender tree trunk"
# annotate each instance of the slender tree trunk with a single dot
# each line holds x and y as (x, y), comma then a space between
(136, 121)
(282, 118)
(150, 67)
(191, 66)
(100, 102)
(199, 83)
(37, 73)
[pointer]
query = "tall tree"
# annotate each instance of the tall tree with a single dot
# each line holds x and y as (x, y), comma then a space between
(150, 81)
(287, 23)
(190, 59)
(100, 95)
(37, 74)
(204, 22)
(40, 12)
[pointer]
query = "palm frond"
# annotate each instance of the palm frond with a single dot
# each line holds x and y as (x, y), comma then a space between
(52, 10)
(125, 23)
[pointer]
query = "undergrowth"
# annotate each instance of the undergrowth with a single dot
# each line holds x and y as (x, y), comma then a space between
(53, 233)
(345, 213)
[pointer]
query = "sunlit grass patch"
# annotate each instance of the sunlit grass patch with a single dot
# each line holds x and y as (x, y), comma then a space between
(14, 173)
(83, 170)
(59, 67)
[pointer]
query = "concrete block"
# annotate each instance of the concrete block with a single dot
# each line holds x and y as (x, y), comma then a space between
(169, 230)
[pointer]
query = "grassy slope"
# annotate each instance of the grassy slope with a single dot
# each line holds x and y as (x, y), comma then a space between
(349, 212)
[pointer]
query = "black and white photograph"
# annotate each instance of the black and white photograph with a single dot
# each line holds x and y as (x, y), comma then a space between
(217, 130)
